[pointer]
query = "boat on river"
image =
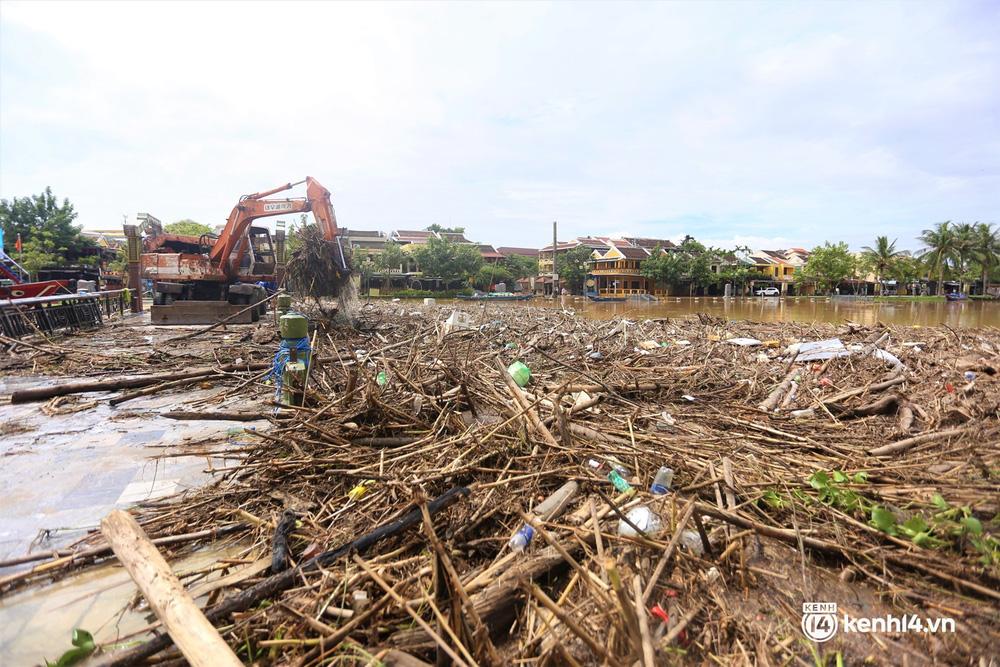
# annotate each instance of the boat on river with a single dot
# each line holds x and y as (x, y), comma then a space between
(496, 296)
(955, 296)
(595, 297)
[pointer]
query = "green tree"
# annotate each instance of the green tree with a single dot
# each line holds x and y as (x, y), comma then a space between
(439, 229)
(572, 267)
(451, 262)
(663, 268)
(187, 228)
(521, 266)
(828, 264)
(881, 258)
(986, 248)
(939, 251)
(36, 255)
(42, 219)
(390, 258)
(965, 252)
(491, 274)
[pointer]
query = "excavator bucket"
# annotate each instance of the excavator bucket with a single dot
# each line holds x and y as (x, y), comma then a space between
(320, 268)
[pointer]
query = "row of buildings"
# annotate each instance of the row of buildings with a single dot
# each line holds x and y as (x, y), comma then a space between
(615, 263)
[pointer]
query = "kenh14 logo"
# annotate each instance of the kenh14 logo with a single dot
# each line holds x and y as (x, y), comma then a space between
(819, 620)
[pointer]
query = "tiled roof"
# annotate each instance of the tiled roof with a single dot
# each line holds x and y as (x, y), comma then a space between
(631, 252)
(411, 235)
(651, 243)
(454, 237)
(489, 252)
(524, 252)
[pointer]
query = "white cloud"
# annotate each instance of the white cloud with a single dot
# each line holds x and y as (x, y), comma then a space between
(722, 121)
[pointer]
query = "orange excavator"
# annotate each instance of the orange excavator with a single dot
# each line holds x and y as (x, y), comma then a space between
(201, 280)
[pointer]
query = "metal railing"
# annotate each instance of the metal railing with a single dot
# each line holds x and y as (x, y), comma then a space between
(70, 312)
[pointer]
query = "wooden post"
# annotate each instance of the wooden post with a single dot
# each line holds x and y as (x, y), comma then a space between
(194, 635)
(134, 254)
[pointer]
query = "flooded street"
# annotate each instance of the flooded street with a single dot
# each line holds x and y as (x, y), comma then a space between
(819, 309)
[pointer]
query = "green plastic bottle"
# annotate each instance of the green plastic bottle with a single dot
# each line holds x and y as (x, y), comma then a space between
(520, 373)
(621, 486)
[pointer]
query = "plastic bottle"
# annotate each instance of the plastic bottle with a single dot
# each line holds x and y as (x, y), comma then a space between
(645, 520)
(970, 376)
(521, 539)
(621, 486)
(661, 482)
(691, 540)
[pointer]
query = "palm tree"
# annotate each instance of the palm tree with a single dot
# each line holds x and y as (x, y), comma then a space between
(882, 258)
(965, 241)
(940, 242)
(986, 248)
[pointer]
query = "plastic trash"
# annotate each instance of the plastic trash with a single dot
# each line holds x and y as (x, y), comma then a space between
(666, 422)
(520, 373)
(381, 379)
(596, 356)
(691, 541)
(645, 520)
(510, 346)
(820, 349)
(688, 397)
(457, 321)
(649, 345)
(359, 491)
(744, 342)
(521, 539)
(661, 482)
(429, 301)
(621, 486)
(969, 376)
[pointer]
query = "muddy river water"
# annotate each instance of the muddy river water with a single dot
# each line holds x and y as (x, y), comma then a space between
(866, 312)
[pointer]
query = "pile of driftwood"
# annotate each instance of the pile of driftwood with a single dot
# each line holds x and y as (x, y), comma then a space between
(377, 517)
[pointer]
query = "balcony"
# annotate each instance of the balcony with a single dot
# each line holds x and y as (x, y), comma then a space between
(616, 272)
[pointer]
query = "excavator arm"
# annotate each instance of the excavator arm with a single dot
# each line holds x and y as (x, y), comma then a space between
(252, 207)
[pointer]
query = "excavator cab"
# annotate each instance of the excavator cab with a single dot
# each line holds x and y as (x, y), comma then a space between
(258, 256)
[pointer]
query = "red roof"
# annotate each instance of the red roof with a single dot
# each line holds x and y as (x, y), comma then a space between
(489, 252)
(524, 252)
(411, 235)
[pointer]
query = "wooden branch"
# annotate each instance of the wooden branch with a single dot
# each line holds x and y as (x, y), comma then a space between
(903, 445)
(188, 627)
(44, 393)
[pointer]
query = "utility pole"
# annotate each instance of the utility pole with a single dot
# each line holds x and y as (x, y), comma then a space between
(555, 275)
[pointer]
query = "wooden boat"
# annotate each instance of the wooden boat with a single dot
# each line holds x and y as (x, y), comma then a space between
(955, 296)
(496, 296)
(616, 299)
(31, 290)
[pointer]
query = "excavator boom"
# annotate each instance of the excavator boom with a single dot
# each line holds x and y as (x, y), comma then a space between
(252, 207)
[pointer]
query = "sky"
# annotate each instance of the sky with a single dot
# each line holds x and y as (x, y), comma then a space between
(768, 124)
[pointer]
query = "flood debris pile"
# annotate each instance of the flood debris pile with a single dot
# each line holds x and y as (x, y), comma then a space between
(432, 499)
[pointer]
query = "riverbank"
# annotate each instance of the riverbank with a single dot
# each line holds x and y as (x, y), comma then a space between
(863, 479)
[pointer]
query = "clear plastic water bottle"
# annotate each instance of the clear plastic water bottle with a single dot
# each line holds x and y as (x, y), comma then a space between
(621, 486)
(521, 539)
(661, 483)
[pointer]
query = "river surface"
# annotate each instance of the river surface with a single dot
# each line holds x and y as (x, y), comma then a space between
(819, 309)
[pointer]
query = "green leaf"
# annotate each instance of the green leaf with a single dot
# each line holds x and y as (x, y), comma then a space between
(840, 477)
(923, 540)
(819, 480)
(883, 519)
(860, 477)
(84, 643)
(83, 639)
(972, 525)
(914, 525)
(940, 502)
